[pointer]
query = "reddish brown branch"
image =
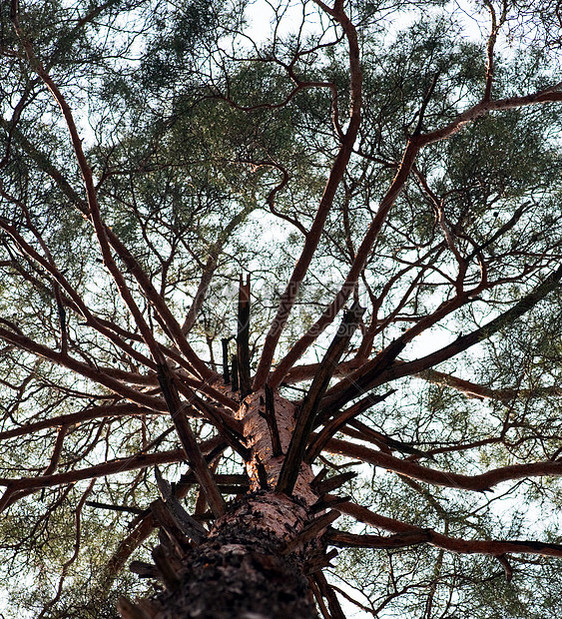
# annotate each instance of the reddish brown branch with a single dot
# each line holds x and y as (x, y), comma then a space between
(548, 95)
(495, 548)
(87, 176)
(77, 543)
(98, 412)
(495, 27)
(313, 236)
(478, 483)
(104, 234)
(475, 390)
(78, 304)
(112, 467)
(544, 96)
(92, 373)
(359, 262)
(57, 451)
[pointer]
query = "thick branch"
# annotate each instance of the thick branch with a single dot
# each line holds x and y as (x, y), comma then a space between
(112, 467)
(339, 421)
(479, 483)
(192, 450)
(92, 373)
(309, 408)
(495, 548)
(400, 540)
(98, 412)
(243, 337)
(548, 95)
(475, 390)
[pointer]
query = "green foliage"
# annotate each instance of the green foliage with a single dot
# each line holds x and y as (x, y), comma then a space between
(210, 145)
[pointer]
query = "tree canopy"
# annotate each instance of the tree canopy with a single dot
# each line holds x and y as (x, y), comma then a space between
(343, 215)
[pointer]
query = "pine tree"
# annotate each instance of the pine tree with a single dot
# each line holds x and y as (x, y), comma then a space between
(280, 281)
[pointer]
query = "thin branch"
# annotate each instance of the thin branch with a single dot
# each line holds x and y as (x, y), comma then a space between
(383, 367)
(476, 390)
(115, 508)
(104, 234)
(57, 451)
(313, 236)
(361, 257)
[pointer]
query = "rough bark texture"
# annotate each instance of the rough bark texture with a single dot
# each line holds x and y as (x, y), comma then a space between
(254, 562)
(241, 570)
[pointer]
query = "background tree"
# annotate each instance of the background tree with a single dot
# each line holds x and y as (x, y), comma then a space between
(269, 295)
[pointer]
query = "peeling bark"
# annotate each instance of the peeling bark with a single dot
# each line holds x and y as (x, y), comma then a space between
(253, 415)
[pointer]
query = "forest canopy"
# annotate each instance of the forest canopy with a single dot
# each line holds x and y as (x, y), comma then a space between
(283, 253)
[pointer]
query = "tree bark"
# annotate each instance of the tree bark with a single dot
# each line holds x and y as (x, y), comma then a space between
(256, 559)
(242, 570)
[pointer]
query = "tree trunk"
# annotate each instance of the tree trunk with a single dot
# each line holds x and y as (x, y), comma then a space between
(254, 562)
(241, 570)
